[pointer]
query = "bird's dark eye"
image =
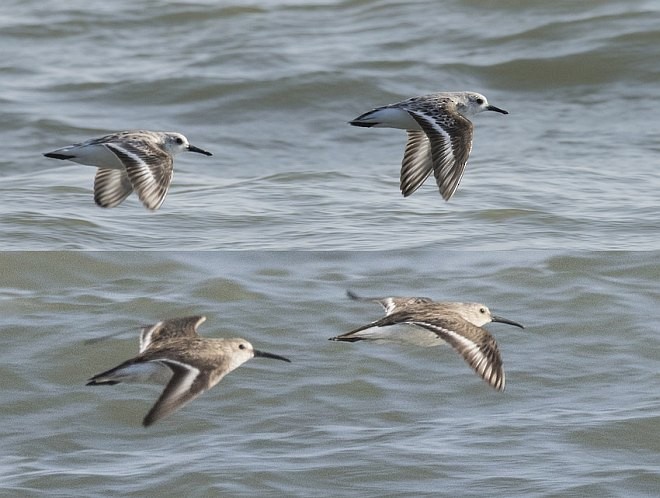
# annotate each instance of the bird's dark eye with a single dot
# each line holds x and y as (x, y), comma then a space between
(179, 140)
(241, 346)
(482, 310)
(480, 101)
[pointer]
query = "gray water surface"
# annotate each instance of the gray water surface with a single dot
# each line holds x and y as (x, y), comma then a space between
(579, 416)
(269, 86)
(555, 225)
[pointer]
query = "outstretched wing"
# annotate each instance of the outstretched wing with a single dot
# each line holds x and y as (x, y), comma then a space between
(149, 168)
(186, 384)
(476, 345)
(450, 140)
(354, 336)
(391, 304)
(170, 329)
(417, 162)
(111, 187)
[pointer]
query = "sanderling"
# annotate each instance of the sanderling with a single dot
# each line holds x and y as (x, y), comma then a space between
(439, 136)
(137, 160)
(458, 324)
(172, 351)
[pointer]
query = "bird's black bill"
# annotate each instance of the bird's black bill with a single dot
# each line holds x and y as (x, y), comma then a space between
(263, 354)
(505, 320)
(496, 109)
(192, 148)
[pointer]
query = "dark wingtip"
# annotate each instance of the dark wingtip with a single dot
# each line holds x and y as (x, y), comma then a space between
(54, 155)
(352, 295)
(152, 417)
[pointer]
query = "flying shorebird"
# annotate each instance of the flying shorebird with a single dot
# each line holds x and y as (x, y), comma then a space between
(434, 323)
(172, 351)
(137, 160)
(439, 136)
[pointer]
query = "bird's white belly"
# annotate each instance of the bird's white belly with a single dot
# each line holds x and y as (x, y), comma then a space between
(143, 373)
(402, 334)
(94, 155)
(392, 117)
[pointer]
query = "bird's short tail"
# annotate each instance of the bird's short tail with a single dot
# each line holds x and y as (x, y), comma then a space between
(55, 155)
(101, 382)
(344, 338)
(365, 120)
(362, 124)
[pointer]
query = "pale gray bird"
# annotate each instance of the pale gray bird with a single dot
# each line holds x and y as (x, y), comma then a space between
(172, 351)
(137, 160)
(439, 136)
(434, 323)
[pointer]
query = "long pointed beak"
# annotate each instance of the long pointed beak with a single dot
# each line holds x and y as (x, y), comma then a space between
(192, 148)
(496, 109)
(263, 354)
(500, 319)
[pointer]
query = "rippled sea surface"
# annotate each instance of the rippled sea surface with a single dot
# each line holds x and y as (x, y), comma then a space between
(556, 224)
(268, 87)
(579, 416)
